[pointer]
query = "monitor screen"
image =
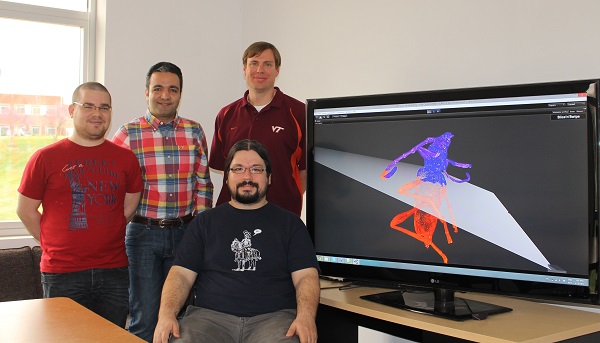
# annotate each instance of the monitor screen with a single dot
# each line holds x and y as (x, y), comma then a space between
(491, 188)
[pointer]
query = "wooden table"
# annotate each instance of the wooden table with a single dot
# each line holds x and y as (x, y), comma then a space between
(529, 322)
(57, 320)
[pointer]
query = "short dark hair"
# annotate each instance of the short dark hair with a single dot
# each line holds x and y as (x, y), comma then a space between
(247, 145)
(165, 67)
(257, 48)
(97, 86)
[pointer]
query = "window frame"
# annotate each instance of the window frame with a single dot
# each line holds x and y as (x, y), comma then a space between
(14, 229)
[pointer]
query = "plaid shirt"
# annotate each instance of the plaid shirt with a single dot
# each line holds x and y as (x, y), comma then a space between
(173, 157)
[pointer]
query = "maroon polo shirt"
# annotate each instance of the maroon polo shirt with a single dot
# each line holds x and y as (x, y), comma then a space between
(281, 127)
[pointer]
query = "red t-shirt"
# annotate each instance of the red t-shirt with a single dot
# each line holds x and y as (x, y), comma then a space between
(280, 126)
(82, 190)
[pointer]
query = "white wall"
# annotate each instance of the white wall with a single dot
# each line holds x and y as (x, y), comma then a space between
(341, 47)
(352, 47)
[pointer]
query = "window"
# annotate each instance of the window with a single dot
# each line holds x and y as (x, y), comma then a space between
(37, 79)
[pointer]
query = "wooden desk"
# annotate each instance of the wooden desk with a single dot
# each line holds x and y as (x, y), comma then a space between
(57, 320)
(528, 322)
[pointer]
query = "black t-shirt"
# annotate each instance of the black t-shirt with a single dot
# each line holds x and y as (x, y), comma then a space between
(244, 258)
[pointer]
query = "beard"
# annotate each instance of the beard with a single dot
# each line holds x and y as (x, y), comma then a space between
(248, 198)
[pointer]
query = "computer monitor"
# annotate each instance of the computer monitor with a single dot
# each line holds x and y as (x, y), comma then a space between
(490, 189)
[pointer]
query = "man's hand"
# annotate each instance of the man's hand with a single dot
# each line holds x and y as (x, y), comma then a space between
(305, 328)
(164, 328)
(175, 290)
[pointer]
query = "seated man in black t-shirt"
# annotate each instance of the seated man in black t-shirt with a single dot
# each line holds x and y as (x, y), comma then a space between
(252, 263)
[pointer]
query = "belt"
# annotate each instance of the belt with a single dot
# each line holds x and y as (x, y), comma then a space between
(163, 223)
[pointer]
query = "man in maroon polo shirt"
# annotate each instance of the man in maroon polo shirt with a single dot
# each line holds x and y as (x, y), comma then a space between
(267, 115)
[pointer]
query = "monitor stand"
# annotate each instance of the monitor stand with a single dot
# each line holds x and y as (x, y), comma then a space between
(438, 302)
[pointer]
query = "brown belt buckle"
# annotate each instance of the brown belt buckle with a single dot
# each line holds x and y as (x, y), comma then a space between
(162, 223)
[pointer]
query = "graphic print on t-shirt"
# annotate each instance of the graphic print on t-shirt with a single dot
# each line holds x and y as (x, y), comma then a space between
(245, 253)
(94, 182)
(78, 218)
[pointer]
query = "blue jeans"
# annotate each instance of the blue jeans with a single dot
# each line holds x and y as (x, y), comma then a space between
(208, 326)
(103, 291)
(151, 251)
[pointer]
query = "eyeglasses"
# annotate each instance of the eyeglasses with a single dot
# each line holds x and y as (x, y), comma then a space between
(253, 170)
(91, 108)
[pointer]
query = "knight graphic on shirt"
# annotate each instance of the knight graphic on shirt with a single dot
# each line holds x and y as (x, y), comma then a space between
(244, 253)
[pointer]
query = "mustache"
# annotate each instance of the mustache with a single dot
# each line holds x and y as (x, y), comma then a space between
(247, 183)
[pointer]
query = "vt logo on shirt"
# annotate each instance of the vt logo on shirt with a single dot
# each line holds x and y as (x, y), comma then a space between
(276, 129)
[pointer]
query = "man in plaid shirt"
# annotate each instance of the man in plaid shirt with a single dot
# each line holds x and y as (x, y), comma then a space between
(172, 152)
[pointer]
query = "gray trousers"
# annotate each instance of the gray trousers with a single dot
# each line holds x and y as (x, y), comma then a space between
(207, 326)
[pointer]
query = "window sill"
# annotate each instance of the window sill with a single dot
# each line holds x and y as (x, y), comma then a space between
(14, 235)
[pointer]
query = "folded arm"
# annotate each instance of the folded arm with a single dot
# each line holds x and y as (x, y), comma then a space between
(132, 201)
(28, 210)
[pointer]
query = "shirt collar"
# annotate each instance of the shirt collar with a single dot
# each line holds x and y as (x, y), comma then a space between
(155, 122)
(275, 102)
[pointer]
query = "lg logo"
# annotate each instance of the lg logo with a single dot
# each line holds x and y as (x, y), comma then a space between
(276, 129)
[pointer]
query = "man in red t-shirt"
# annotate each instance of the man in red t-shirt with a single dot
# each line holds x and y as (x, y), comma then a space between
(89, 189)
(267, 115)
